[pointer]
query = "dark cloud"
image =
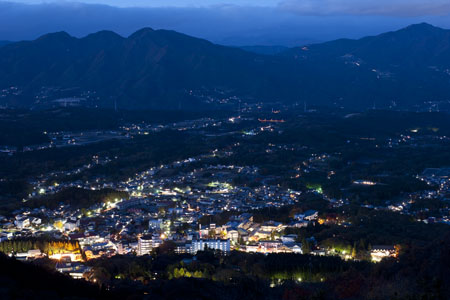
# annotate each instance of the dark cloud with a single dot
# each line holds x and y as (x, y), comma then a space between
(396, 8)
(224, 24)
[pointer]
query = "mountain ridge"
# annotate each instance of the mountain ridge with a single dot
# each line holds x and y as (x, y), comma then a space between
(163, 68)
(3, 43)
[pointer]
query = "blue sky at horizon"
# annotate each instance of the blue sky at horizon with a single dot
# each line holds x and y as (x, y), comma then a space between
(229, 22)
(398, 8)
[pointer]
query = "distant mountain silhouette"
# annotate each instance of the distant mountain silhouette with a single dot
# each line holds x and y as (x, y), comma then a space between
(150, 68)
(3, 43)
(266, 50)
(166, 69)
(410, 65)
(414, 46)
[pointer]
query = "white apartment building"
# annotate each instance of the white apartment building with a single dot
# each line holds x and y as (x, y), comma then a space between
(200, 245)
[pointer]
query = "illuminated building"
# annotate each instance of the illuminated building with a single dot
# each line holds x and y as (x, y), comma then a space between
(380, 252)
(145, 245)
(201, 245)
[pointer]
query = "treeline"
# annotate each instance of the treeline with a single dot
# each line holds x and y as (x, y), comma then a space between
(419, 273)
(134, 155)
(10, 192)
(355, 230)
(20, 128)
(358, 150)
(46, 246)
(271, 268)
(146, 151)
(20, 135)
(214, 266)
(364, 228)
(24, 127)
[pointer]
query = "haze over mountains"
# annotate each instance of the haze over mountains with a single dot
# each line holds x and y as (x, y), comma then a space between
(267, 50)
(3, 43)
(218, 21)
(166, 69)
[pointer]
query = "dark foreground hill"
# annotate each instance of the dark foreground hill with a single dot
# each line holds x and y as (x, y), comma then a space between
(421, 272)
(27, 281)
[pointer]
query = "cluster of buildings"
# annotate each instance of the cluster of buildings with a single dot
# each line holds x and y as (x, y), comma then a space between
(439, 177)
(379, 252)
(239, 233)
(438, 180)
(156, 210)
(176, 202)
(139, 225)
(170, 208)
